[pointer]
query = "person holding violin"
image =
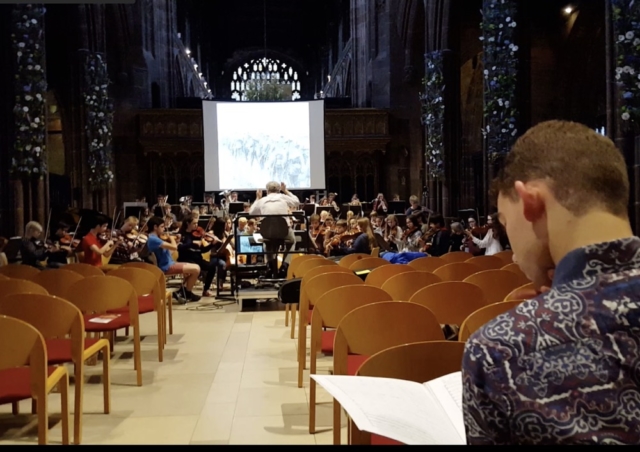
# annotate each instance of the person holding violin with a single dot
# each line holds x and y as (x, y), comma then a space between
(392, 232)
(34, 251)
(412, 236)
(440, 241)
(364, 241)
(131, 244)
(64, 242)
(333, 243)
(96, 243)
(193, 245)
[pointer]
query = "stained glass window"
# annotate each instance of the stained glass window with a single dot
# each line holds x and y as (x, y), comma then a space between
(261, 73)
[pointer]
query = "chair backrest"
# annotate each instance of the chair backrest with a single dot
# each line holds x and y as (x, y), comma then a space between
(274, 228)
(427, 264)
(84, 269)
(153, 269)
(4, 278)
(496, 284)
(403, 286)
(487, 262)
(506, 256)
(375, 327)
(457, 271)
(451, 302)
(298, 259)
(53, 317)
(380, 275)
(515, 268)
(419, 362)
(351, 258)
(456, 256)
(19, 271)
(57, 282)
(334, 304)
(99, 294)
(143, 281)
(11, 286)
(21, 344)
(375, 251)
(368, 263)
(525, 292)
(482, 316)
(318, 285)
(309, 264)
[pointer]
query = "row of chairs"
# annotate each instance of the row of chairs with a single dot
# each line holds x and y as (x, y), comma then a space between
(66, 306)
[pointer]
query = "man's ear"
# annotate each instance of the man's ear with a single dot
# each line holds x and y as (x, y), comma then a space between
(532, 202)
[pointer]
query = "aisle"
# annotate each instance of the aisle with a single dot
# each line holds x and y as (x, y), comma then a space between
(227, 378)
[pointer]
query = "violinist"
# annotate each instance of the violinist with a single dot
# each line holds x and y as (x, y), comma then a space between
(476, 231)
(363, 243)
(355, 201)
(131, 242)
(411, 238)
(492, 241)
(242, 224)
(330, 200)
(96, 243)
(64, 242)
(415, 206)
(315, 230)
(333, 243)
(392, 232)
(380, 205)
(440, 237)
(377, 223)
(33, 250)
(456, 240)
(191, 249)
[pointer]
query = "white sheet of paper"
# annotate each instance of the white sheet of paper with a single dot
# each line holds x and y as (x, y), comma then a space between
(409, 412)
(258, 237)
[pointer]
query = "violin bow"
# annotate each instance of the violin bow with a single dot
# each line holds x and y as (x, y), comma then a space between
(74, 232)
(135, 242)
(46, 234)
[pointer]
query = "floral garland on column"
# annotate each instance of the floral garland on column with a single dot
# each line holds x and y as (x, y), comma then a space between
(27, 39)
(626, 27)
(432, 100)
(99, 121)
(500, 75)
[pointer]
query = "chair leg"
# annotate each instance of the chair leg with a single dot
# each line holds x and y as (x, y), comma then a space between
(15, 408)
(79, 389)
(312, 388)
(106, 378)
(63, 384)
(170, 314)
(43, 419)
(302, 354)
(34, 406)
(337, 430)
(136, 355)
(294, 310)
(287, 308)
(160, 336)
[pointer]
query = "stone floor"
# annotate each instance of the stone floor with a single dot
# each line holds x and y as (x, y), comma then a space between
(227, 378)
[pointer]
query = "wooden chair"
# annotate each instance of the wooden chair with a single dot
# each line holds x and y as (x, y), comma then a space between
(296, 260)
(95, 296)
(11, 286)
(24, 374)
(380, 275)
(56, 319)
(168, 299)
(456, 256)
(368, 263)
(418, 362)
(84, 269)
(19, 271)
(482, 316)
(330, 309)
(506, 256)
(4, 278)
(57, 282)
(308, 264)
(402, 287)
(427, 264)
(515, 268)
(351, 258)
(375, 251)
(150, 298)
(309, 294)
(451, 302)
(487, 262)
(308, 276)
(457, 271)
(370, 329)
(525, 292)
(496, 284)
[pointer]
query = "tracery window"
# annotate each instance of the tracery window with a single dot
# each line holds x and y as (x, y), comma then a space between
(261, 74)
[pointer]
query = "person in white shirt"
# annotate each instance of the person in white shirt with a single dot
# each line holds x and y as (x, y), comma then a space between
(491, 241)
(278, 201)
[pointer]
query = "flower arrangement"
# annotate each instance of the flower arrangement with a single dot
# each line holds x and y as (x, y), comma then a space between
(99, 121)
(27, 39)
(626, 25)
(500, 74)
(432, 100)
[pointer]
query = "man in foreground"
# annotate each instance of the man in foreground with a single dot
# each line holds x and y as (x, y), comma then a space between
(562, 368)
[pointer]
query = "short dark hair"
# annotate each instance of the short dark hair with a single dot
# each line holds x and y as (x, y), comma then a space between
(97, 220)
(436, 219)
(584, 169)
(153, 222)
(63, 225)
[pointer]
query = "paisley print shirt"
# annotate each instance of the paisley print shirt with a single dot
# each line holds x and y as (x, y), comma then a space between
(563, 368)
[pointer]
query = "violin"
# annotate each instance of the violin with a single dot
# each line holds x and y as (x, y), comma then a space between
(408, 232)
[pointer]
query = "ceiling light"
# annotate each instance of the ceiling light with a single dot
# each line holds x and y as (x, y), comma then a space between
(568, 10)
(188, 52)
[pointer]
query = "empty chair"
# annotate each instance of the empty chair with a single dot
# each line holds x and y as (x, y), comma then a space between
(506, 256)
(309, 264)
(525, 292)
(482, 316)
(368, 264)
(451, 302)
(380, 275)
(427, 264)
(457, 271)
(84, 269)
(298, 260)
(456, 256)
(496, 284)
(515, 268)
(11, 286)
(57, 282)
(487, 262)
(349, 259)
(402, 287)
(4, 278)
(19, 271)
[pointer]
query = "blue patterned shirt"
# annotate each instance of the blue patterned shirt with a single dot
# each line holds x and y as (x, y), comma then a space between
(563, 368)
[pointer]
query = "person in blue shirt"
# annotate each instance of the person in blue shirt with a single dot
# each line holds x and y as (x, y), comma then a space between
(162, 249)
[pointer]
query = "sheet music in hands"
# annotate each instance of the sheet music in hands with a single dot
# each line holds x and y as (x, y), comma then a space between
(405, 411)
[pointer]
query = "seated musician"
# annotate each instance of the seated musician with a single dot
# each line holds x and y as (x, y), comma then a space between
(377, 223)
(476, 231)
(363, 243)
(415, 206)
(440, 239)
(412, 235)
(162, 251)
(242, 224)
(392, 232)
(332, 242)
(380, 205)
(129, 245)
(95, 244)
(456, 240)
(60, 239)
(246, 207)
(355, 201)
(246, 246)
(33, 250)
(316, 230)
(191, 249)
(491, 242)
(330, 200)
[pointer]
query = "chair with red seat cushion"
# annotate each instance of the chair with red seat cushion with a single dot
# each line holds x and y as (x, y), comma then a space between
(375, 327)
(62, 326)
(329, 310)
(24, 373)
(95, 296)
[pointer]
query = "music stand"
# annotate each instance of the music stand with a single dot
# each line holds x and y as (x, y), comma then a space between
(330, 209)
(236, 207)
(357, 210)
(396, 207)
(133, 209)
(309, 209)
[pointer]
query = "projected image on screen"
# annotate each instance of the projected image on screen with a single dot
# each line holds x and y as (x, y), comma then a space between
(264, 143)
